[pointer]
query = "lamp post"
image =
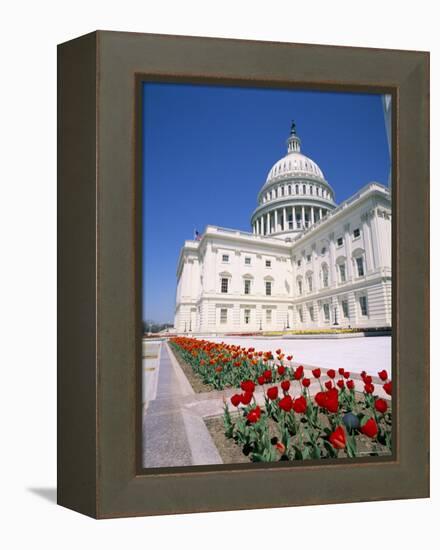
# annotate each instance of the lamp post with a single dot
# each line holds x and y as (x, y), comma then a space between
(189, 325)
(287, 324)
(261, 326)
(336, 317)
(184, 330)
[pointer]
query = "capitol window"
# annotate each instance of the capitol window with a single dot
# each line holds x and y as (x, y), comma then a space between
(342, 272)
(363, 305)
(247, 286)
(326, 310)
(312, 314)
(299, 286)
(268, 288)
(268, 263)
(356, 233)
(309, 258)
(360, 266)
(310, 283)
(340, 241)
(300, 314)
(223, 316)
(247, 260)
(225, 258)
(247, 316)
(324, 276)
(296, 189)
(344, 304)
(224, 285)
(268, 316)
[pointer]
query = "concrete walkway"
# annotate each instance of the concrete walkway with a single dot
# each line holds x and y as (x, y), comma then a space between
(174, 433)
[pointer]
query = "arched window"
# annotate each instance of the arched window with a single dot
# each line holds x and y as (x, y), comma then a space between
(268, 285)
(309, 281)
(225, 282)
(247, 283)
(341, 267)
(358, 256)
(324, 275)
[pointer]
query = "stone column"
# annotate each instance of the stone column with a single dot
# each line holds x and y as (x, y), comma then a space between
(268, 223)
(315, 268)
(303, 217)
(293, 217)
(369, 258)
(275, 222)
(332, 258)
(347, 243)
(285, 224)
(312, 214)
(320, 213)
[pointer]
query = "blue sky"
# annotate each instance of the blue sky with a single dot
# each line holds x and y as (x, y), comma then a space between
(207, 151)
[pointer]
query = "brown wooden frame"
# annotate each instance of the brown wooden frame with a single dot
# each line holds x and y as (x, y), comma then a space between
(99, 273)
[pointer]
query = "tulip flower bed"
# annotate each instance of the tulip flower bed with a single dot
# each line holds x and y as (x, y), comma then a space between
(226, 366)
(336, 422)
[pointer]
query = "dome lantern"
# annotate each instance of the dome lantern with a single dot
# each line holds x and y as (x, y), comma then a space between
(293, 143)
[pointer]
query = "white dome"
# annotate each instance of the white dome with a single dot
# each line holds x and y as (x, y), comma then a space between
(294, 164)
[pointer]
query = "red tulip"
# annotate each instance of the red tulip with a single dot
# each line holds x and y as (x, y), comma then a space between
(316, 373)
(370, 428)
(278, 351)
(267, 375)
(331, 373)
(340, 383)
(381, 405)
(332, 403)
(329, 384)
(285, 403)
(369, 388)
(350, 384)
(367, 379)
(388, 388)
(247, 386)
(346, 375)
(236, 399)
(281, 370)
(300, 405)
(280, 447)
(337, 438)
(321, 399)
(285, 385)
(246, 397)
(299, 373)
(306, 382)
(341, 371)
(383, 375)
(261, 380)
(254, 415)
(289, 358)
(272, 393)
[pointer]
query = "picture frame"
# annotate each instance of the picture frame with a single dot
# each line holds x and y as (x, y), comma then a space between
(99, 273)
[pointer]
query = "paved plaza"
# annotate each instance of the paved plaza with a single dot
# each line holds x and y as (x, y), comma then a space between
(371, 354)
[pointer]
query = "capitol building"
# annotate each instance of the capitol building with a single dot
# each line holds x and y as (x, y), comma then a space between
(307, 263)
